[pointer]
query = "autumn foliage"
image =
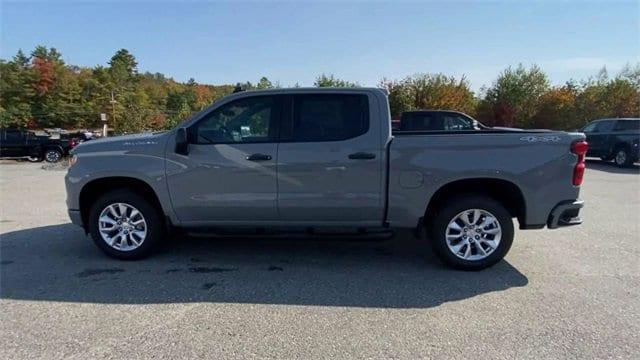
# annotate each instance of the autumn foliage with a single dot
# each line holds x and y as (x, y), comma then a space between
(41, 90)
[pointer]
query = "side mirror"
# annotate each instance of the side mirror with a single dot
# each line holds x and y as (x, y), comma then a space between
(182, 142)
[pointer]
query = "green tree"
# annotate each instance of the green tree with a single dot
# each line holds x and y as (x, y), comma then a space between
(17, 91)
(513, 98)
(264, 83)
(331, 81)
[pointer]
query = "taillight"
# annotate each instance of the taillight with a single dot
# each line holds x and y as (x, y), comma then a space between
(579, 148)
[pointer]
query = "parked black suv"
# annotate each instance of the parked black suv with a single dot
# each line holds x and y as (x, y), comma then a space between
(20, 143)
(614, 139)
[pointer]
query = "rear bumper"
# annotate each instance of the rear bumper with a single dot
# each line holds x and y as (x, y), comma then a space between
(566, 213)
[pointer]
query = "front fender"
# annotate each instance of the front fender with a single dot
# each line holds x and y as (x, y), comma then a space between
(93, 166)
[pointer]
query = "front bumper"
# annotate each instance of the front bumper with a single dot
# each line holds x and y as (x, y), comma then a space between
(566, 213)
(76, 217)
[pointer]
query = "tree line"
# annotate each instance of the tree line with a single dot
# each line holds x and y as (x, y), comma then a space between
(40, 90)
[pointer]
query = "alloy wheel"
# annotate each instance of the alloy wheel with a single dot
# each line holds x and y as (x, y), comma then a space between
(122, 226)
(52, 156)
(473, 234)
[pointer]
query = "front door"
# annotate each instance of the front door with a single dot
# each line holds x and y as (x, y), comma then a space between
(330, 161)
(229, 174)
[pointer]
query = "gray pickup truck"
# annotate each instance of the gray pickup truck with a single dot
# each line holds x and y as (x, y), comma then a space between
(324, 162)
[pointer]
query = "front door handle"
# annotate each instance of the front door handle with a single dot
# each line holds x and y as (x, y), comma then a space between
(362, 156)
(258, 157)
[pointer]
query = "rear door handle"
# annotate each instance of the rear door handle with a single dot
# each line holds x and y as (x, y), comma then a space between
(258, 157)
(362, 156)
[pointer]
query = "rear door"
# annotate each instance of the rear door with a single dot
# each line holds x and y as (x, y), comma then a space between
(229, 175)
(330, 160)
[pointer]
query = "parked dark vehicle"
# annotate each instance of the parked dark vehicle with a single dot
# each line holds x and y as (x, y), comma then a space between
(614, 139)
(21, 143)
(437, 120)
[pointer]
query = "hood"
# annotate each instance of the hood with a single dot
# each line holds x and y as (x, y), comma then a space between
(119, 142)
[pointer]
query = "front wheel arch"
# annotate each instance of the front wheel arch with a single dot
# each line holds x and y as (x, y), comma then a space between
(92, 190)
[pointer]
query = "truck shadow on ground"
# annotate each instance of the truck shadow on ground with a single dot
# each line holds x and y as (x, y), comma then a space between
(58, 263)
(609, 166)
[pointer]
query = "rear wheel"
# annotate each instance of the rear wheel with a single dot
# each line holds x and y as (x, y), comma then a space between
(125, 226)
(623, 158)
(471, 232)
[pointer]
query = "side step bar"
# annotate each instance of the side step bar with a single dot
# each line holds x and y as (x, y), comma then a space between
(381, 233)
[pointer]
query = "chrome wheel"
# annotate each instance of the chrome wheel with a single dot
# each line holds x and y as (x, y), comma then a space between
(473, 234)
(621, 157)
(122, 226)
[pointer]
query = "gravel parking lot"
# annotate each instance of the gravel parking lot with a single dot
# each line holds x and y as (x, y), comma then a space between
(568, 293)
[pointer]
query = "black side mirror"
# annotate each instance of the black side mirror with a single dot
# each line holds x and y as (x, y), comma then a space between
(182, 142)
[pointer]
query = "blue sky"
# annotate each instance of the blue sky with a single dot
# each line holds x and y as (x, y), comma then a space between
(224, 42)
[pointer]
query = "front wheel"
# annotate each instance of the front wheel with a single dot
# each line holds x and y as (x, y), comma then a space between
(52, 155)
(125, 226)
(471, 232)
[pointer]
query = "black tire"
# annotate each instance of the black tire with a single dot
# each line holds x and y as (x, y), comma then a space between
(456, 205)
(622, 157)
(52, 155)
(156, 230)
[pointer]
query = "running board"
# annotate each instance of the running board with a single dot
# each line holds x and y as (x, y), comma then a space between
(381, 233)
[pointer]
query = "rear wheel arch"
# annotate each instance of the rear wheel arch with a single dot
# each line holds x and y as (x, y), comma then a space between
(505, 192)
(620, 145)
(94, 189)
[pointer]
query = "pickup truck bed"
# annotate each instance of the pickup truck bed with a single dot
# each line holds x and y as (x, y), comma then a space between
(324, 160)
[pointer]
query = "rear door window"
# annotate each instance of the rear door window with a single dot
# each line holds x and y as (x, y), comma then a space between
(327, 117)
(625, 125)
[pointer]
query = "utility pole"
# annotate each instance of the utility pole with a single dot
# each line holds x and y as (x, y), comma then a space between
(103, 117)
(113, 110)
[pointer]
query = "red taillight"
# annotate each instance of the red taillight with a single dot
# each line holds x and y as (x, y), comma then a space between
(579, 148)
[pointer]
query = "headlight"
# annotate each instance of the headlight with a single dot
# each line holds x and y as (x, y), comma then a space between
(72, 160)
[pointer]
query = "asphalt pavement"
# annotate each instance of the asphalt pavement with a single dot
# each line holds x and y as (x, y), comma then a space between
(566, 293)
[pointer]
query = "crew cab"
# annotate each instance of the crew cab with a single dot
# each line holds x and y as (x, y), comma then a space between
(324, 162)
(614, 139)
(21, 143)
